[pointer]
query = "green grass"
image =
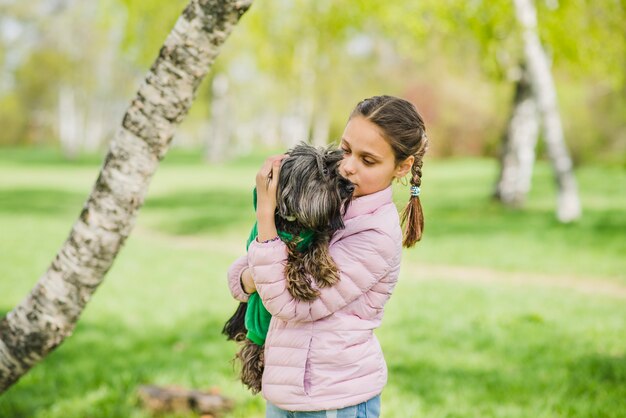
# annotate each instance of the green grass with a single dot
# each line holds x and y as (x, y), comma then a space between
(455, 348)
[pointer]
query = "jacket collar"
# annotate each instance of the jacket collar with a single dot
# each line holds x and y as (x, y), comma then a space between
(367, 204)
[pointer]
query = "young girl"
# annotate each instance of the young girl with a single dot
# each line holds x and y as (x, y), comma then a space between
(321, 357)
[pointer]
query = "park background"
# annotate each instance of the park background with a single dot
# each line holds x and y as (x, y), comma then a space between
(500, 311)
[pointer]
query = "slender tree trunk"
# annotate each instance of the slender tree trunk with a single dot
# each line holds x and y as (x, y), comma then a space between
(321, 127)
(296, 124)
(269, 128)
(221, 128)
(49, 313)
(69, 122)
(244, 138)
(568, 203)
(518, 148)
(94, 127)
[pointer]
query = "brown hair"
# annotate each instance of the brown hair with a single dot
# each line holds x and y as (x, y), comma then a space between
(404, 129)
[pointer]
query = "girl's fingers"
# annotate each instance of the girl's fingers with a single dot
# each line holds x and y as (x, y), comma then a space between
(271, 181)
(275, 169)
(266, 168)
(270, 170)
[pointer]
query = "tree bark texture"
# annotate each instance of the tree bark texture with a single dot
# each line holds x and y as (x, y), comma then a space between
(518, 145)
(49, 313)
(568, 203)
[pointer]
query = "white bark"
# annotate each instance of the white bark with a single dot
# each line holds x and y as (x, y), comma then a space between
(568, 203)
(269, 128)
(245, 135)
(518, 149)
(321, 127)
(94, 128)
(307, 51)
(296, 124)
(69, 122)
(294, 128)
(49, 313)
(221, 128)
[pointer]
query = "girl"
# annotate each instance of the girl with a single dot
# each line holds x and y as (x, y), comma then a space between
(321, 357)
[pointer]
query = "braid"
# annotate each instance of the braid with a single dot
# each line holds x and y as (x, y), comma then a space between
(412, 216)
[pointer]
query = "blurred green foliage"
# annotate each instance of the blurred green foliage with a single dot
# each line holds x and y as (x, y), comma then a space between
(454, 59)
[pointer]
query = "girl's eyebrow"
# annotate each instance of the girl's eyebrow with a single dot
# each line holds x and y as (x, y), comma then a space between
(364, 153)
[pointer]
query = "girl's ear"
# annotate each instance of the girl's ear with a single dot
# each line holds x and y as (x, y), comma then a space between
(404, 167)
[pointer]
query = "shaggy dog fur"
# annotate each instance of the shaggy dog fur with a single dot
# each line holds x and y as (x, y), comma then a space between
(311, 195)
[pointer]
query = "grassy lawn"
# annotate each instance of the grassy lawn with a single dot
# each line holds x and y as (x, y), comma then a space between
(455, 346)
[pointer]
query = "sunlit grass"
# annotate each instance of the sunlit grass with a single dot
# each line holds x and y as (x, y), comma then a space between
(454, 348)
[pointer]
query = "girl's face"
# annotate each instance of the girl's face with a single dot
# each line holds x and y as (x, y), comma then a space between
(368, 160)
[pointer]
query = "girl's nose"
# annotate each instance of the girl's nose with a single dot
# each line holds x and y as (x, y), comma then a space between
(346, 166)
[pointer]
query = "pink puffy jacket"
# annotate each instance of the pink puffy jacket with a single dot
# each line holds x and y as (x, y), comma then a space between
(323, 354)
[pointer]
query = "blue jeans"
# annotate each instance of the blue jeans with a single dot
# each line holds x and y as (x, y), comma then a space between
(367, 409)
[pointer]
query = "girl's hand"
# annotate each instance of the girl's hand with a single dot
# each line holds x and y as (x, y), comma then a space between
(266, 185)
(247, 282)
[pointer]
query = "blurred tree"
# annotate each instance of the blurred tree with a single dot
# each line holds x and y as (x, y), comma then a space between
(311, 58)
(518, 145)
(34, 88)
(221, 127)
(18, 37)
(314, 58)
(501, 44)
(90, 94)
(49, 313)
(146, 23)
(537, 75)
(64, 63)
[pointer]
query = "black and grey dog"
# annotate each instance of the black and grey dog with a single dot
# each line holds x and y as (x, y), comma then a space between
(311, 199)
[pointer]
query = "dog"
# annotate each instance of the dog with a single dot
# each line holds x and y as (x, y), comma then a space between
(312, 198)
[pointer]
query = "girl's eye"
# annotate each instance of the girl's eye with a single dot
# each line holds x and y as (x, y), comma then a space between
(368, 162)
(345, 151)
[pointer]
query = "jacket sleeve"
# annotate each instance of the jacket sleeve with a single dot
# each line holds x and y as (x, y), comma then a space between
(234, 278)
(363, 260)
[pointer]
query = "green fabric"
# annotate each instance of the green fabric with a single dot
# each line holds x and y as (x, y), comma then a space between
(258, 318)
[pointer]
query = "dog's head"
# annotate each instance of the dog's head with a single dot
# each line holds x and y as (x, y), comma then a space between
(311, 191)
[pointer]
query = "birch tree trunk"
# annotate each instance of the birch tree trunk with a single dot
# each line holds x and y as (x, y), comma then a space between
(518, 148)
(321, 128)
(49, 313)
(219, 136)
(568, 203)
(70, 120)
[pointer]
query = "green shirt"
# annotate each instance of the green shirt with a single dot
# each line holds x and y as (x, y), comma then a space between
(258, 318)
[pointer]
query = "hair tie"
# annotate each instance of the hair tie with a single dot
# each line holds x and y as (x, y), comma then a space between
(415, 191)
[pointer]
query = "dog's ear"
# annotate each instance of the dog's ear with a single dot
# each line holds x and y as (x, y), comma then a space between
(336, 222)
(332, 158)
(285, 190)
(319, 264)
(235, 328)
(297, 274)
